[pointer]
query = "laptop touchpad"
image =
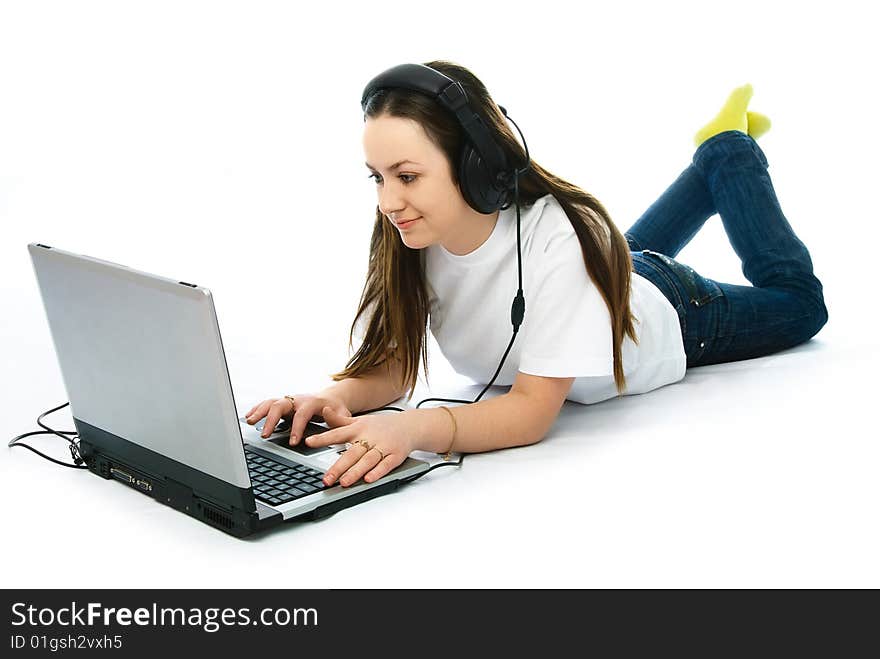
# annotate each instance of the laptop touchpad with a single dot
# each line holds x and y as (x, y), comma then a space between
(281, 435)
(301, 448)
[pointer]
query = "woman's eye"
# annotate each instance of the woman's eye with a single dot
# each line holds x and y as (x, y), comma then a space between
(402, 177)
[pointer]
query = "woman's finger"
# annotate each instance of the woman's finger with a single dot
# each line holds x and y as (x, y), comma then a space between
(384, 465)
(276, 410)
(301, 418)
(354, 473)
(302, 415)
(336, 419)
(335, 436)
(257, 412)
(346, 460)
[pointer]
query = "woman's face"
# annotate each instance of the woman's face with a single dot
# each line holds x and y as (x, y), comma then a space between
(421, 187)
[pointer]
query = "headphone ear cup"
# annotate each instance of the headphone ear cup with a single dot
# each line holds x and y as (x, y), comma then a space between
(478, 186)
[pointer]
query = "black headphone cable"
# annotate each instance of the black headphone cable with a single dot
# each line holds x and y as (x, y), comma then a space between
(517, 309)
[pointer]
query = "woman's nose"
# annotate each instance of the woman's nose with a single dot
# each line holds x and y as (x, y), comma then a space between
(389, 200)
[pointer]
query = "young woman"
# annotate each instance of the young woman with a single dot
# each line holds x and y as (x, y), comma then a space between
(606, 313)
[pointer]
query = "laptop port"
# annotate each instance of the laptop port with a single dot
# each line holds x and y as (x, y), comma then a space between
(134, 481)
(120, 475)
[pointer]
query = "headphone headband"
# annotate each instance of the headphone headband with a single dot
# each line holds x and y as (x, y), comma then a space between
(484, 172)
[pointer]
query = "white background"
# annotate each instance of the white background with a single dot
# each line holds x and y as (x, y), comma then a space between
(220, 143)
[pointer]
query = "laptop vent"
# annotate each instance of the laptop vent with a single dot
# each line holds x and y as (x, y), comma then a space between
(216, 517)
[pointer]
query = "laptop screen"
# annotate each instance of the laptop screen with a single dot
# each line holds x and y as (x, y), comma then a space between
(141, 357)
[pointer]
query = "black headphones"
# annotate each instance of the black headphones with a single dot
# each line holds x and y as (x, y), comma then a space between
(485, 176)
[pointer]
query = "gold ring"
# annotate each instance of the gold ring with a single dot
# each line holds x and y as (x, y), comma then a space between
(365, 444)
(376, 448)
(290, 398)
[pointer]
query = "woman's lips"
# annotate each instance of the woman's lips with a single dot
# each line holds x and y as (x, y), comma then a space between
(405, 225)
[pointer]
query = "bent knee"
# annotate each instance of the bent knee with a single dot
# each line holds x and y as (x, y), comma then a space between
(816, 319)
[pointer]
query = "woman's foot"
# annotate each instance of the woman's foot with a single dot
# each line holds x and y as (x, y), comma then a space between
(731, 117)
(758, 124)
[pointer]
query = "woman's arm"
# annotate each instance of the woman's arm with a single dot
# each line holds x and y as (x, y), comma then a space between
(377, 388)
(520, 417)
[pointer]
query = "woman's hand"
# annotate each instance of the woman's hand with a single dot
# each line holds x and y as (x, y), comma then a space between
(390, 438)
(303, 409)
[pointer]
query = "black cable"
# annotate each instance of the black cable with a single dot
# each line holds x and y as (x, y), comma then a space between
(74, 446)
(517, 313)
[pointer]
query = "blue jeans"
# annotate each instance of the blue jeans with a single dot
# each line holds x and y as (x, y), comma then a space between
(726, 322)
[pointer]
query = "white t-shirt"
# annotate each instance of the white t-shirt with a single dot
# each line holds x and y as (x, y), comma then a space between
(566, 331)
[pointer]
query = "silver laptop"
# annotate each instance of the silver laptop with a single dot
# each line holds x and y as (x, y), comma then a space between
(143, 365)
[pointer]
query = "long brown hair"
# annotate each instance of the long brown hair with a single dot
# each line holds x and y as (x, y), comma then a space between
(394, 301)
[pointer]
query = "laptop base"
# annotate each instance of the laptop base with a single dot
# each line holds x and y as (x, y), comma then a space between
(219, 504)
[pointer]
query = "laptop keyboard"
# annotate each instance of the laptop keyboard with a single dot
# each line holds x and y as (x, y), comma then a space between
(275, 482)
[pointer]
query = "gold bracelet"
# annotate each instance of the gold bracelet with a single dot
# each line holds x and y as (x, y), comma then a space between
(454, 429)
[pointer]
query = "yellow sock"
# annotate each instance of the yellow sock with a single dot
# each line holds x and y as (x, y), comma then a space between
(731, 117)
(758, 124)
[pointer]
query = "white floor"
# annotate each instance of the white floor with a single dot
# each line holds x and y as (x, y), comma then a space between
(751, 474)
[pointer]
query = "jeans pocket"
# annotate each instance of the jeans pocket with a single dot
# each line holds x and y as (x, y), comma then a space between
(700, 290)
